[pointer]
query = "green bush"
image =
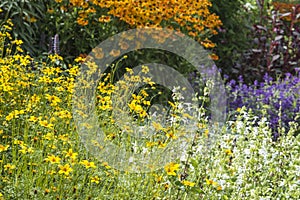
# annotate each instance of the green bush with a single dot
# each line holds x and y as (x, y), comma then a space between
(232, 38)
(27, 17)
(274, 47)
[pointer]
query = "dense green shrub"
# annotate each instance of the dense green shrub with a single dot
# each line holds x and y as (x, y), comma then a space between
(27, 17)
(78, 28)
(232, 38)
(275, 43)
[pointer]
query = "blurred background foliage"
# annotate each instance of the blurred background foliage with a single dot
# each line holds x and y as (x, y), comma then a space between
(232, 39)
(248, 37)
(28, 17)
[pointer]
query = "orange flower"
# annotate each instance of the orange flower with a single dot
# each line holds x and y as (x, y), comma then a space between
(98, 52)
(123, 45)
(214, 56)
(148, 13)
(115, 53)
(82, 21)
(104, 19)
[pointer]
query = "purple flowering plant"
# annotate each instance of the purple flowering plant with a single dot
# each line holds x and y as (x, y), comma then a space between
(279, 97)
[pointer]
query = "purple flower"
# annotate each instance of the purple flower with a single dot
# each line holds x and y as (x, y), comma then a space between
(279, 95)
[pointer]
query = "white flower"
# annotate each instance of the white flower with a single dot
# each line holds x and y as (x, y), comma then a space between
(239, 125)
(247, 152)
(249, 6)
(263, 152)
(264, 198)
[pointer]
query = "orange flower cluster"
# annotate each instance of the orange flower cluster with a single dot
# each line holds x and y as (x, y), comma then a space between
(283, 7)
(79, 3)
(189, 16)
(84, 12)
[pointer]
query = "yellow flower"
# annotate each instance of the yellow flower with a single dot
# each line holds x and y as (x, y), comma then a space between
(9, 166)
(88, 164)
(219, 188)
(71, 154)
(161, 144)
(188, 183)
(33, 119)
(228, 152)
(171, 134)
(79, 59)
(82, 21)
(145, 69)
(23, 150)
(64, 137)
(49, 136)
(55, 57)
(51, 172)
(110, 136)
(3, 148)
(19, 142)
(166, 186)
(45, 124)
(206, 132)
(30, 150)
(158, 178)
(171, 168)
(32, 19)
(17, 42)
(54, 100)
(148, 81)
(53, 159)
(19, 49)
(105, 164)
(54, 189)
(65, 169)
(150, 144)
(211, 182)
(157, 126)
(95, 179)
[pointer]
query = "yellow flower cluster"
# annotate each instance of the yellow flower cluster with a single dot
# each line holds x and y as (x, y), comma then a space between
(38, 138)
(136, 105)
(104, 97)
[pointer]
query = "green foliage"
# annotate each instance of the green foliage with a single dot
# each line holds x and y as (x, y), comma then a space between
(274, 43)
(232, 37)
(27, 17)
(75, 39)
